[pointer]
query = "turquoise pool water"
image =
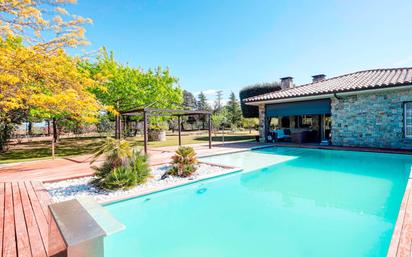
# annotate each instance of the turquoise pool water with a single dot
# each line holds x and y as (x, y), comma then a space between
(298, 202)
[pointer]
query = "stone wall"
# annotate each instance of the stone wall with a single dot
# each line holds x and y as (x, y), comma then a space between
(262, 123)
(370, 120)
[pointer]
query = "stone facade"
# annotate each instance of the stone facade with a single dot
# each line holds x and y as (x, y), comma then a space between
(371, 120)
(262, 123)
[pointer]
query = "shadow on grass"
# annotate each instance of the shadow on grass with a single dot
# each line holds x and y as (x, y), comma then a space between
(42, 149)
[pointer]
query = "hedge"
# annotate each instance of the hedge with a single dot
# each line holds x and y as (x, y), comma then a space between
(249, 111)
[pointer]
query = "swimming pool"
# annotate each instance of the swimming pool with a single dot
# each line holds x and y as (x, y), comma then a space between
(291, 202)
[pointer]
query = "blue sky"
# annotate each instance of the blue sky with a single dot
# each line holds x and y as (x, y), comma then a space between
(225, 45)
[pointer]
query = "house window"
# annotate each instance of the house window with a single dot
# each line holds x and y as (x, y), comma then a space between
(407, 114)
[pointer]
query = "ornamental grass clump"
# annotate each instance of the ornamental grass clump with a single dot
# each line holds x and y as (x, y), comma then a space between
(123, 167)
(183, 162)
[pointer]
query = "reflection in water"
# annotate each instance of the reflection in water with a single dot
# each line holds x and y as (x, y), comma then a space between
(349, 180)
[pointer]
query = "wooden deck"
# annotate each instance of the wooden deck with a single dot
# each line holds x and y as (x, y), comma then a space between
(79, 166)
(27, 227)
(401, 243)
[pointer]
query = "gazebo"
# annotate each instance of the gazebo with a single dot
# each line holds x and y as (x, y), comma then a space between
(147, 112)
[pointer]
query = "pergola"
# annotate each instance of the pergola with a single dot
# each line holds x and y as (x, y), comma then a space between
(147, 112)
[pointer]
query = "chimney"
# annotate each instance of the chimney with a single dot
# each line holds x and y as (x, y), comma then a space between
(286, 82)
(318, 78)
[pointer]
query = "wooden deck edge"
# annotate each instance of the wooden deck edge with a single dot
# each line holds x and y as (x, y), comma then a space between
(395, 243)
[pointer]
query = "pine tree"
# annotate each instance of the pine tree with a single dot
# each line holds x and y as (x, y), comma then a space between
(202, 102)
(189, 101)
(202, 105)
(234, 111)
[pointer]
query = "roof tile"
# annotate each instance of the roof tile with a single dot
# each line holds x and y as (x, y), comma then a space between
(368, 79)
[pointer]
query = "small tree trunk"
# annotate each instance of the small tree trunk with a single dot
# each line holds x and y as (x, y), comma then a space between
(54, 138)
(55, 131)
(223, 135)
(53, 149)
(48, 127)
(250, 129)
(30, 128)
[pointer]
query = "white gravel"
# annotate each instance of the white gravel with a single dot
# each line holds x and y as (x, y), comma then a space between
(69, 189)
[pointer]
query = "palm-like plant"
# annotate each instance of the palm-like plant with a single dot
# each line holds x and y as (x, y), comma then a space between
(117, 152)
(123, 166)
(183, 162)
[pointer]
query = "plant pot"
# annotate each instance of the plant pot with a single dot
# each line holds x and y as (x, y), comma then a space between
(156, 135)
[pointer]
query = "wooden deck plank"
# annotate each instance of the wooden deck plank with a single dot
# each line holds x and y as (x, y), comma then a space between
(43, 196)
(397, 232)
(36, 244)
(1, 217)
(9, 238)
(404, 247)
(39, 215)
(22, 237)
(57, 246)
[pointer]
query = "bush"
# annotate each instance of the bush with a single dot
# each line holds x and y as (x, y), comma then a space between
(183, 162)
(123, 167)
(249, 111)
(120, 177)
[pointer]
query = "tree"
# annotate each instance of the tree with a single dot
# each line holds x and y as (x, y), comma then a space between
(189, 101)
(250, 123)
(249, 111)
(43, 85)
(219, 119)
(202, 104)
(33, 67)
(124, 88)
(218, 102)
(233, 111)
(43, 24)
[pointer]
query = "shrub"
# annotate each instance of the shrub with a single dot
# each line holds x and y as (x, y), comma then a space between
(140, 166)
(250, 111)
(123, 167)
(120, 177)
(183, 162)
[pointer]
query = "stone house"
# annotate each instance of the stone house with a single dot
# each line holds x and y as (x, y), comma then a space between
(371, 108)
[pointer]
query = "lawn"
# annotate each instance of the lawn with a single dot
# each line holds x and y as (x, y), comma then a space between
(86, 145)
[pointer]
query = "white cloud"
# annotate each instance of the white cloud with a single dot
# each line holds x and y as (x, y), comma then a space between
(212, 102)
(207, 92)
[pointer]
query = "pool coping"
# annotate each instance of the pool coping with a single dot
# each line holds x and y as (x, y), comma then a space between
(122, 198)
(230, 170)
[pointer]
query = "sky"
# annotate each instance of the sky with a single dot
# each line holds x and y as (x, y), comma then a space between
(226, 45)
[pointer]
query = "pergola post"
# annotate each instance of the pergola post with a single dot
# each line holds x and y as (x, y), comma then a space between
(210, 131)
(146, 112)
(179, 129)
(117, 129)
(145, 131)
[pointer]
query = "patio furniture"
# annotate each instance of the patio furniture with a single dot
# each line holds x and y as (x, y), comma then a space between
(280, 135)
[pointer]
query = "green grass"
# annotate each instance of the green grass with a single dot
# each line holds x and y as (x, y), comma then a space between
(36, 150)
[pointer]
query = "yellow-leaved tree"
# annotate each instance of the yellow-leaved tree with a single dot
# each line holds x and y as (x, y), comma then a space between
(49, 86)
(37, 78)
(43, 24)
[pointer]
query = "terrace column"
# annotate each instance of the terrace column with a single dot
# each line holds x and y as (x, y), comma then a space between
(262, 123)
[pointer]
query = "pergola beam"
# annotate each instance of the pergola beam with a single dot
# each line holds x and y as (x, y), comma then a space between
(146, 112)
